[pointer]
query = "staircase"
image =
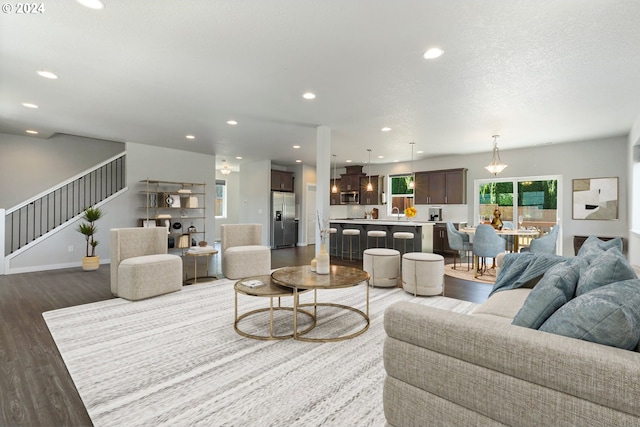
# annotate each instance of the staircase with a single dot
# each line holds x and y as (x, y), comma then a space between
(33, 219)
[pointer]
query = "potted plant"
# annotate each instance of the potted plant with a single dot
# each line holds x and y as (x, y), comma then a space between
(91, 215)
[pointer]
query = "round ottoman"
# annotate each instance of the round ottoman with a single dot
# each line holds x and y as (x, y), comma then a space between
(383, 265)
(423, 273)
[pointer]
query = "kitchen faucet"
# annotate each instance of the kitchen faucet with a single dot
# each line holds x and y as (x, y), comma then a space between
(395, 208)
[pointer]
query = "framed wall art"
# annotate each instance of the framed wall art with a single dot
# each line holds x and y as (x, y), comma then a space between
(595, 198)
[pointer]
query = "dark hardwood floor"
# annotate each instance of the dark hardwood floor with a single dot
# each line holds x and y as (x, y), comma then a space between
(35, 387)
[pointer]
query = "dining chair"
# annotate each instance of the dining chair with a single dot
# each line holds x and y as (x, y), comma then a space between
(509, 225)
(486, 243)
(545, 244)
(458, 241)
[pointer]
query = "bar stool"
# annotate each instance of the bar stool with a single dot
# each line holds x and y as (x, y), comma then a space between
(350, 233)
(333, 249)
(377, 235)
(404, 235)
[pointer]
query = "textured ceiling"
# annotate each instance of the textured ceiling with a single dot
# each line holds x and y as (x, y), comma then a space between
(153, 71)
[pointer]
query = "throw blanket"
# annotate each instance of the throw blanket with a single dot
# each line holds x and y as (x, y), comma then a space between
(519, 269)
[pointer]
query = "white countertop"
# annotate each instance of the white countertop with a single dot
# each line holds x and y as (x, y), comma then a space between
(384, 222)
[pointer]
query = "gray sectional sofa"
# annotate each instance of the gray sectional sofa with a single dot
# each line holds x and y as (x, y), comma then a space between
(447, 369)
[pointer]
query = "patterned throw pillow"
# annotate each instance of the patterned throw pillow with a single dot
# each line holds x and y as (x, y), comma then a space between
(608, 267)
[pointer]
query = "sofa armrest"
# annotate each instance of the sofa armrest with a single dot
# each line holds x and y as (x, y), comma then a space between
(599, 374)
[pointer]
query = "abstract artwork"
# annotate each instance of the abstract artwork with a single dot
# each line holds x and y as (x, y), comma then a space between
(595, 198)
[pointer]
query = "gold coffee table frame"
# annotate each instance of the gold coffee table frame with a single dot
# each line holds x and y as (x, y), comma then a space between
(269, 290)
(302, 279)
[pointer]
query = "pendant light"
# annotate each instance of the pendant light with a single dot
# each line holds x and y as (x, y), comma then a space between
(334, 189)
(369, 186)
(225, 170)
(496, 166)
(412, 182)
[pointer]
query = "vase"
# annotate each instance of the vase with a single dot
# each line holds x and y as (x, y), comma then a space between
(322, 259)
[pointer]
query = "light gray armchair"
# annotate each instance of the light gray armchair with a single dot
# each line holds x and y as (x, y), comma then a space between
(487, 243)
(545, 244)
(458, 241)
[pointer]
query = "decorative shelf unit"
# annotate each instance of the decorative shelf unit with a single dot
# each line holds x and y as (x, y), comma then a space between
(178, 205)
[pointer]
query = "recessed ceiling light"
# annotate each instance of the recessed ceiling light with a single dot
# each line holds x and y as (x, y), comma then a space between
(419, 152)
(238, 157)
(92, 4)
(190, 137)
(433, 53)
(32, 132)
(232, 122)
(385, 129)
(296, 146)
(47, 74)
(298, 161)
(381, 157)
(309, 95)
(396, 161)
(347, 161)
(29, 105)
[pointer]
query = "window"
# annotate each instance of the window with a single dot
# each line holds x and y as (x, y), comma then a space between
(400, 193)
(220, 208)
(526, 202)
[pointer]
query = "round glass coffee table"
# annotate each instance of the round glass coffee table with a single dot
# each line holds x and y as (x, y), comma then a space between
(302, 279)
(269, 290)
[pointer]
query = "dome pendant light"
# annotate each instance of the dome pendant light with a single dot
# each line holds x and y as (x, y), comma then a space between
(496, 166)
(412, 182)
(369, 186)
(334, 189)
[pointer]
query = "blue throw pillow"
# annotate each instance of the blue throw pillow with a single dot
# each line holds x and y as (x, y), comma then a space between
(609, 267)
(556, 287)
(609, 315)
(593, 242)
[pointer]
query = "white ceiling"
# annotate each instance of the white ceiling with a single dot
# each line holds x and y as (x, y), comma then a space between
(153, 71)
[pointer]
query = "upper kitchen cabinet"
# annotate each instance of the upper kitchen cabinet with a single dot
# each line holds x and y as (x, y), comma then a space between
(350, 181)
(441, 187)
(370, 197)
(334, 198)
(281, 180)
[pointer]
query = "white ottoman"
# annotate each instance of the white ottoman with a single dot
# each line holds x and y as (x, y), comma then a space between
(383, 265)
(423, 273)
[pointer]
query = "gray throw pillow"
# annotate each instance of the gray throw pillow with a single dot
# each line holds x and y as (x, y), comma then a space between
(554, 289)
(609, 315)
(593, 242)
(609, 267)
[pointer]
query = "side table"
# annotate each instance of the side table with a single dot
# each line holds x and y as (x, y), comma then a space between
(207, 253)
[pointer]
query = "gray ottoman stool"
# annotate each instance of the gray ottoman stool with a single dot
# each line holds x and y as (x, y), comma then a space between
(423, 273)
(383, 265)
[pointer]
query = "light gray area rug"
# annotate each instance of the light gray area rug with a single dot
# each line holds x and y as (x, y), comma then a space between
(176, 360)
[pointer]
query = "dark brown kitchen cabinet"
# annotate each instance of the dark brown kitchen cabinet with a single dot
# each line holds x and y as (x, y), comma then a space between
(440, 241)
(350, 182)
(441, 187)
(281, 180)
(334, 198)
(370, 197)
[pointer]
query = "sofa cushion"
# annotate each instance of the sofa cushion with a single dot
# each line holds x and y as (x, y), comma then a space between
(608, 315)
(609, 267)
(504, 305)
(556, 287)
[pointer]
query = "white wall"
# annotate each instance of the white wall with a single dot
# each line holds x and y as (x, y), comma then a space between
(634, 192)
(29, 165)
(143, 161)
(255, 194)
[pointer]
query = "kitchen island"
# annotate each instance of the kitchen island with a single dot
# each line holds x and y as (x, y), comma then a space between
(423, 231)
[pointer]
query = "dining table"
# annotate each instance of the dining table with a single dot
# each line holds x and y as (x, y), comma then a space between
(517, 232)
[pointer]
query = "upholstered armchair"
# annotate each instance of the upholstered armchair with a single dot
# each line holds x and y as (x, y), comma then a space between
(487, 243)
(243, 254)
(458, 241)
(545, 244)
(140, 265)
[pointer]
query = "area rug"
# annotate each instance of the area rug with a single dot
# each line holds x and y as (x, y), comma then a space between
(461, 272)
(176, 360)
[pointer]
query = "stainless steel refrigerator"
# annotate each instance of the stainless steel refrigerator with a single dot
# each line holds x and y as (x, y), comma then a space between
(283, 225)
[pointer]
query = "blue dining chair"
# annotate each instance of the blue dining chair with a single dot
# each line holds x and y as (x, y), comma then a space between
(458, 241)
(545, 244)
(486, 243)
